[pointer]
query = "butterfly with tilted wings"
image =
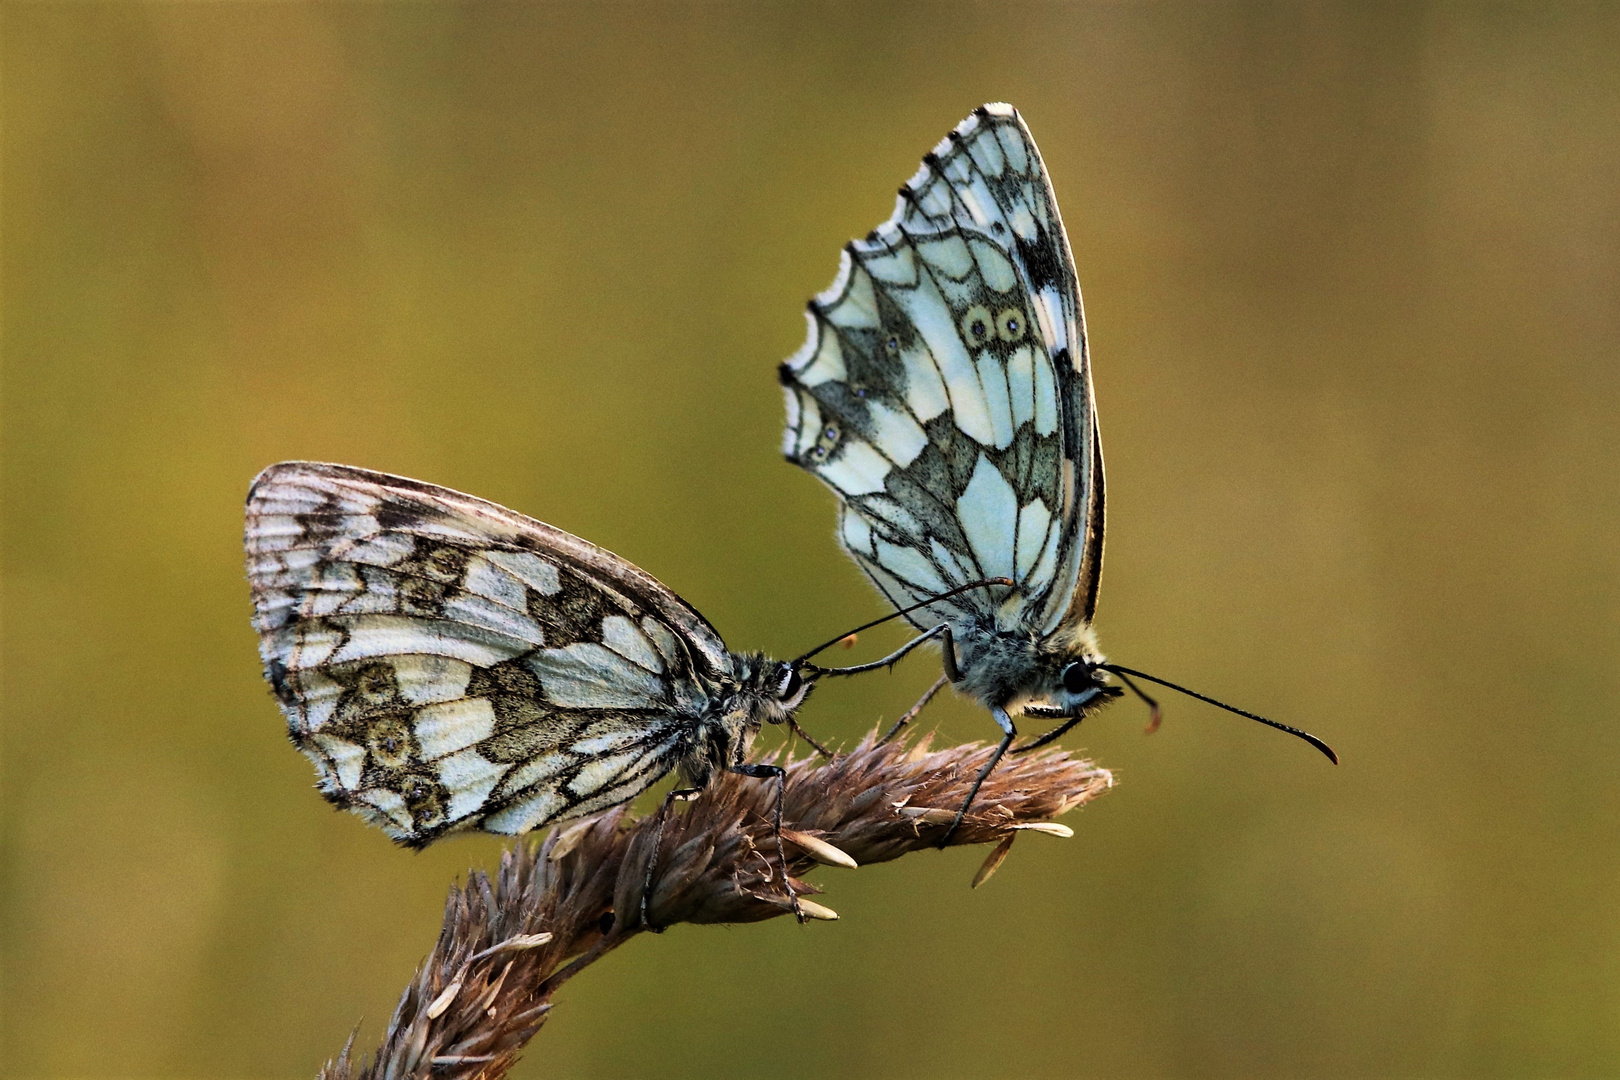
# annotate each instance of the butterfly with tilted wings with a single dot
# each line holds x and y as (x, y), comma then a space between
(944, 393)
(449, 664)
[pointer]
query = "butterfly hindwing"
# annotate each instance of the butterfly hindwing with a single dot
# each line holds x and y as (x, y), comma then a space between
(943, 391)
(449, 664)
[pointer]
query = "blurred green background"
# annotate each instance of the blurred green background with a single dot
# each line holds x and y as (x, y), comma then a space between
(1351, 273)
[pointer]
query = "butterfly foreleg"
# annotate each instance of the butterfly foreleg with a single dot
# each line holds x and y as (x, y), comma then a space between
(942, 630)
(763, 772)
(677, 795)
(1056, 732)
(1072, 718)
(1009, 733)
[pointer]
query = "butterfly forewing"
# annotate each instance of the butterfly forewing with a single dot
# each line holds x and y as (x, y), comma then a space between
(449, 664)
(943, 391)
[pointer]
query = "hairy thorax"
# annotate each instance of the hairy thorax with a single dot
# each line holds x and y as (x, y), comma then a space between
(1012, 669)
(761, 691)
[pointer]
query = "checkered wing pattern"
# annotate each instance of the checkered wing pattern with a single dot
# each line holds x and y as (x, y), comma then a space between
(944, 392)
(449, 664)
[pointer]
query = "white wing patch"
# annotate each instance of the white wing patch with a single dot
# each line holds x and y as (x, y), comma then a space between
(827, 364)
(370, 636)
(598, 772)
(898, 433)
(453, 725)
(532, 812)
(1034, 521)
(469, 778)
(533, 571)
(934, 323)
(626, 638)
(342, 757)
(908, 564)
(859, 470)
(488, 579)
(997, 404)
(1021, 386)
(986, 507)
(925, 387)
(996, 269)
(585, 675)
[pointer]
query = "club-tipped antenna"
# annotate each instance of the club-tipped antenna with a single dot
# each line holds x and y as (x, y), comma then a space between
(905, 611)
(1307, 736)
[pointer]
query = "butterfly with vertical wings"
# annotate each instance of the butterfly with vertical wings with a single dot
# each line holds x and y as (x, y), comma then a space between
(448, 664)
(944, 394)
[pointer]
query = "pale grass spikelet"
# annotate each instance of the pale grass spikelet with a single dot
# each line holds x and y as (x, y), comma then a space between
(508, 944)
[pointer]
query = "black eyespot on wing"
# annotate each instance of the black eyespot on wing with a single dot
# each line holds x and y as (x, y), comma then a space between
(1010, 325)
(977, 326)
(388, 741)
(424, 797)
(370, 692)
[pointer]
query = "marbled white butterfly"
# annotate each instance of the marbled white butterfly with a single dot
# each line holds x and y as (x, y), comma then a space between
(944, 393)
(449, 664)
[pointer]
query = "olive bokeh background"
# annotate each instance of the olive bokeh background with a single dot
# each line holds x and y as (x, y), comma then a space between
(1352, 276)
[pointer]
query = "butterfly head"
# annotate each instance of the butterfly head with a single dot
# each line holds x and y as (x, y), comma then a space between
(1075, 686)
(768, 691)
(1039, 677)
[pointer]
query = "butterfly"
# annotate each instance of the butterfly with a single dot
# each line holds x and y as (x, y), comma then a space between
(449, 664)
(944, 394)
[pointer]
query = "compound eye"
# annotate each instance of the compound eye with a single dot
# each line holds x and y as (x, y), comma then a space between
(792, 682)
(1076, 677)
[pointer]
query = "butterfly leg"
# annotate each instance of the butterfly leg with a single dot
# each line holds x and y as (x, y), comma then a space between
(895, 657)
(1071, 719)
(947, 653)
(1009, 734)
(911, 714)
(763, 772)
(678, 795)
(793, 725)
(1050, 735)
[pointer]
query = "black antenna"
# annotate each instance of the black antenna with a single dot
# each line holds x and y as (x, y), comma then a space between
(1307, 736)
(906, 611)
